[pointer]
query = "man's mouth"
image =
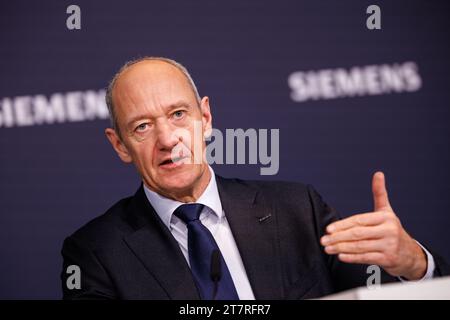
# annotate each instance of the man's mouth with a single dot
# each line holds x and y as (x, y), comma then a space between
(171, 163)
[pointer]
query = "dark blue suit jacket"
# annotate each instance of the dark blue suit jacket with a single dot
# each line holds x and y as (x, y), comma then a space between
(128, 253)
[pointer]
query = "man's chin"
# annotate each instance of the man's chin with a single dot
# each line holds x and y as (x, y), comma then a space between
(177, 180)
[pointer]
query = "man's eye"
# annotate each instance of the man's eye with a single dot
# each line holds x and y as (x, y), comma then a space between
(178, 114)
(142, 127)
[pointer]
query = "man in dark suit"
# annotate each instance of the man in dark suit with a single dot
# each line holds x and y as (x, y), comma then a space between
(189, 234)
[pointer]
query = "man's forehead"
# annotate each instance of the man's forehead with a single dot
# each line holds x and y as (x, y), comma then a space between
(152, 77)
(151, 84)
(151, 70)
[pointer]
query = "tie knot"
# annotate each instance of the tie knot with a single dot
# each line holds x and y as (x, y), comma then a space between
(189, 212)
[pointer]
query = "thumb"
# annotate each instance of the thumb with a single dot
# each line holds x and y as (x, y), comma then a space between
(380, 195)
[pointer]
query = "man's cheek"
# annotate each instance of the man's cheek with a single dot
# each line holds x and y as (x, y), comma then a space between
(144, 154)
(197, 141)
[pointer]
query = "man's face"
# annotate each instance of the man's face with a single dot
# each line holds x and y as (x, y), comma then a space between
(157, 112)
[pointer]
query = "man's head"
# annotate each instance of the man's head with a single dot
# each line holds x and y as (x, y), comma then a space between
(154, 108)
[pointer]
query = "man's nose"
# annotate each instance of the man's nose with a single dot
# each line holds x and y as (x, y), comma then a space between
(166, 137)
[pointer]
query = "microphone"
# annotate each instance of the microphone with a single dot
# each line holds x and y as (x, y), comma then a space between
(216, 272)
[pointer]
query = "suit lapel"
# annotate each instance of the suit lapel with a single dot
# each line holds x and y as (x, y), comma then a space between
(253, 224)
(155, 247)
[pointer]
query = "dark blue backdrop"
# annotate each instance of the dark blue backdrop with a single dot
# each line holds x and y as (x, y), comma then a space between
(56, 177)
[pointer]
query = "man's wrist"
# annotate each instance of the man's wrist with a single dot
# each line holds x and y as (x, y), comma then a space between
(430, 266)
(419, 264)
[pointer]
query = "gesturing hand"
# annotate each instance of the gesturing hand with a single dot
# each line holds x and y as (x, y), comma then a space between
(376, 238)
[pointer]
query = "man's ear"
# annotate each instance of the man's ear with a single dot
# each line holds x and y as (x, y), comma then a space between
(206, 117)
(118, 145)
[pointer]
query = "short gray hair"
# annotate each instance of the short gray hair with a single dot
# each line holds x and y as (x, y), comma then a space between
(109, 90)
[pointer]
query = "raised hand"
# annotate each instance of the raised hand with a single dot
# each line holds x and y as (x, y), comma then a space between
(376, 238)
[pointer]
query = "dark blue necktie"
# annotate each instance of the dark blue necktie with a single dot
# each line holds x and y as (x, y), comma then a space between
(201, 246)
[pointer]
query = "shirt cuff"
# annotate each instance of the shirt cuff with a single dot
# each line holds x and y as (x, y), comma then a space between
(430, 267)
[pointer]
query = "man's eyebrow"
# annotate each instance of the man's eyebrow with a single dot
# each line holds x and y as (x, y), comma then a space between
(137, 118)
(172, 106)
(177, 104)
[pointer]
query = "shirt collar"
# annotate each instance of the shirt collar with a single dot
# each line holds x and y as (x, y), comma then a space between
(165, 207)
